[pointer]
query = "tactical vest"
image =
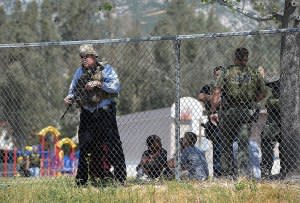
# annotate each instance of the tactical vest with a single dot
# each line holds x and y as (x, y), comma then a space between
(96, 95)
(240, 85)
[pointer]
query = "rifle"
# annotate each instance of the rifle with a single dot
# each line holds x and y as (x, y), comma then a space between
(79, 92)
(67, 109)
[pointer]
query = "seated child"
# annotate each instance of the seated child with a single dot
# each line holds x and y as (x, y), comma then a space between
(192, 159)
(154, 159)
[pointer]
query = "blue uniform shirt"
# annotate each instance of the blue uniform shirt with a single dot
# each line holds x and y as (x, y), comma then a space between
(111, 84)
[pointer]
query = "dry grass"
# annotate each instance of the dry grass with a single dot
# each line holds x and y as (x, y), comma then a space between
(63, 190)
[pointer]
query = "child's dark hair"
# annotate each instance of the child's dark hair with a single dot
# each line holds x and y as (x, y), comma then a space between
(153, 139)
(191, 138)
(240, 53)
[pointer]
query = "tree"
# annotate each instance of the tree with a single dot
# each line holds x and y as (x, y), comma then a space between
(77, 20)
(15, 87)
(287, 15)
(196, 69)
(30, 72)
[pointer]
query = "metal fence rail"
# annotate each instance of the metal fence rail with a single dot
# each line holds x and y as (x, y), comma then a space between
(161, 78)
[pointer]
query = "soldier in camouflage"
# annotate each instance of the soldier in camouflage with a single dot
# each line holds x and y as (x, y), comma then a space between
(94, 87)
(241, 87)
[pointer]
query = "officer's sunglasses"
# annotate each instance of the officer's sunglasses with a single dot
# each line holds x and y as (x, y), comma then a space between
(84, 56)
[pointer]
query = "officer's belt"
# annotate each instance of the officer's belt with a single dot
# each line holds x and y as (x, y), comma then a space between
(104, 108)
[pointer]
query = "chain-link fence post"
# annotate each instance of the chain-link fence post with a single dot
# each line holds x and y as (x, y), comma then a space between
(177, 109)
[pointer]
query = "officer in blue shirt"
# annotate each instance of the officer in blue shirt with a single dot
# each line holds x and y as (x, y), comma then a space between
(94, 88)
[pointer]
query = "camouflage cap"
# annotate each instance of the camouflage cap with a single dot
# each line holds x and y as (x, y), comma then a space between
(87, 49)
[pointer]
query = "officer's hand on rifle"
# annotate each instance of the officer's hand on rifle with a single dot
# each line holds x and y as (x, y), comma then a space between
(90, 85)
(68, 100)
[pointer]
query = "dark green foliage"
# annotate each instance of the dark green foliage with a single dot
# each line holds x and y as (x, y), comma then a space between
(195, 54)
(106, 6)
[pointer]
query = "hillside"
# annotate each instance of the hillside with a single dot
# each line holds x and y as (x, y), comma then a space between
(149, 12)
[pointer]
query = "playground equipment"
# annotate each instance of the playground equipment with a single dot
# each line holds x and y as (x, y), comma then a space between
(53, 161)
(54, 132)
(8, 162)
(67, 141)
(66, 162)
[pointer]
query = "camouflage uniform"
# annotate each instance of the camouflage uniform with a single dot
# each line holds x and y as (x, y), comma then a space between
(271, 133)
(240, 87)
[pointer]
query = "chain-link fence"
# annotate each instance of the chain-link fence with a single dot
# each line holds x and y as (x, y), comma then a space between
(177, 116)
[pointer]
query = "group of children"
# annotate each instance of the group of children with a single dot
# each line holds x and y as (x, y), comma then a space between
(154, 163)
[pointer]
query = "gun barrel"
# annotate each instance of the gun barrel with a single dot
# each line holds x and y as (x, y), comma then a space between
(67, 109)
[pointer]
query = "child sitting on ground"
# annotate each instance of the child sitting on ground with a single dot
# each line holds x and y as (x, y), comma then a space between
(192, 159)
(154, 159)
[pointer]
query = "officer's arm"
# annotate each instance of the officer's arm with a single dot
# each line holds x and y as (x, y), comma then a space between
(76, 77)
(262, 96)
(72, 89)
(263, 100)
(263, 92)
(215, 100)
(204, 97)
(111, 83)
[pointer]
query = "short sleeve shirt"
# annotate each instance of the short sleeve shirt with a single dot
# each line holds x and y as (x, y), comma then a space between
(157, 164)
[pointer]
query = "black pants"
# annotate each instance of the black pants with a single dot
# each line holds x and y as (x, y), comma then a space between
(213, 133)
(96, 130)
(267, 146)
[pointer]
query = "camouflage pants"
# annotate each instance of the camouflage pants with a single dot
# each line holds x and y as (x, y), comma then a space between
(235, 130)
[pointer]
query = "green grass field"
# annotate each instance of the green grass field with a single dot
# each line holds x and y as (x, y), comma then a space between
(62, 189)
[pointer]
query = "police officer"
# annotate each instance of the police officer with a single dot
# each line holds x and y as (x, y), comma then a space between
(212, 131)
(271, 132)
(242, 86)
(94, 87)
